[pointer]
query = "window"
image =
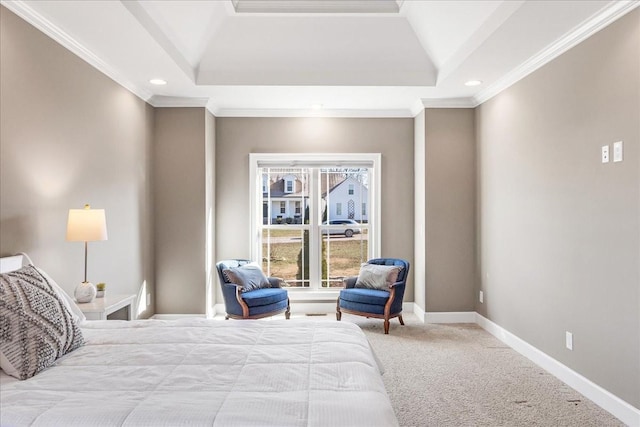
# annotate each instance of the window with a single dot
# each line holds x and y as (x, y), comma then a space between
(364, 209)
(289, 186)
(351, 189)
(317, 248)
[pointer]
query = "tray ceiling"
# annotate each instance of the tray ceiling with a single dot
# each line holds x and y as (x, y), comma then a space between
(373, 58)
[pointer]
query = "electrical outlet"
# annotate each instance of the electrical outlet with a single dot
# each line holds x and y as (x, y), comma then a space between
(617, 151)
(569, 340)
(481, 296)
(148, 300)
(605, 154)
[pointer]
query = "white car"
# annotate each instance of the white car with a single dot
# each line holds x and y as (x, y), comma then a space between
(348, 231)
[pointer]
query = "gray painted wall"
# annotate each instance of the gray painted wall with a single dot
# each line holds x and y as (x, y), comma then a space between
(237, 137)
(182, 142)
(450, 177)
(70, 136)
(559, 231)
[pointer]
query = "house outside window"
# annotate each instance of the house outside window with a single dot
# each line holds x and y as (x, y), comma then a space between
(288, 186)
(351, 189)
(339, 209)
(364, 209)
(313, 251)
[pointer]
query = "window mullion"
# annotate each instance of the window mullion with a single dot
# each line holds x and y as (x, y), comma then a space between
(315, 260)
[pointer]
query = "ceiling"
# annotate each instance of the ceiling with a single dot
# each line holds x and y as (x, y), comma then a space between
(350, 58)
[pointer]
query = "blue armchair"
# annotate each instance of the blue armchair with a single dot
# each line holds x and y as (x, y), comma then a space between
(383, 303)
(265, 301)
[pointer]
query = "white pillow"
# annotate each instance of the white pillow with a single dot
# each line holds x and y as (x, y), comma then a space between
(374, 276)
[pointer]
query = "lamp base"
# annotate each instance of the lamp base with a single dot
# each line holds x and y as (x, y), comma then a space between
(85, 292)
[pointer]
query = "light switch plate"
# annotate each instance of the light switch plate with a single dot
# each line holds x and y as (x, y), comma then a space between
(605, 154)
(617, 151)
(569, 340)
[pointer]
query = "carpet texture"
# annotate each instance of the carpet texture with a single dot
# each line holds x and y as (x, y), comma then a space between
(460, 375)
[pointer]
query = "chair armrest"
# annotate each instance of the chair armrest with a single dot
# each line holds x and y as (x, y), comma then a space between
(349, 282)
(231, 284)
(396, 284)
(275, 282)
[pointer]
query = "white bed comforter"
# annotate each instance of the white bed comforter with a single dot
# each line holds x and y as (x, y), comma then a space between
(195, 372)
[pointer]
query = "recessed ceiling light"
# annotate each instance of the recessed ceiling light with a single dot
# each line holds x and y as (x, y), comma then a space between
(158, 82)
(316, 107)
(473, 83)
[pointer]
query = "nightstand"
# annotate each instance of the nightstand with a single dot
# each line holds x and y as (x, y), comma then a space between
(100, 308)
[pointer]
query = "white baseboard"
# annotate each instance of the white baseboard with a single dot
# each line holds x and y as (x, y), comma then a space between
(450, 317)
(417, 310)
(603, 398)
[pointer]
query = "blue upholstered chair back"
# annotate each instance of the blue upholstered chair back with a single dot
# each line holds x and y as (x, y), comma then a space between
(396, 305)
(228, 289)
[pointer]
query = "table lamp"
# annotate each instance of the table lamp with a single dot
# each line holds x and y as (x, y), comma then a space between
(86, 225)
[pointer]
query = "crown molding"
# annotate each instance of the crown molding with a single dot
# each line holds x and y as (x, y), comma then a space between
(228, 112)
(588, 28)
(25, 12)
(316, 6)
(448, 103)
(177, 101)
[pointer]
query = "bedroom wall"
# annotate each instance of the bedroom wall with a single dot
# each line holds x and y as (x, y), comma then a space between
(450, 187)
(182, 156)
(559, 231)
(70, 136)
(237, 137)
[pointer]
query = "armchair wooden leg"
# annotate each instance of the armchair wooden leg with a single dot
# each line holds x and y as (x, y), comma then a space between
(287, 313)
(400, 319)
(338, 312)
(386, 326)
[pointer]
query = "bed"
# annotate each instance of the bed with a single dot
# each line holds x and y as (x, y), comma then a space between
(205, 372)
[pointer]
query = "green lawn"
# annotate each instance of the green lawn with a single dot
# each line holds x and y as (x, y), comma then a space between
(344, 256)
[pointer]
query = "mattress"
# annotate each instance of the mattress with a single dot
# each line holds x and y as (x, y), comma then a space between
(199, 372)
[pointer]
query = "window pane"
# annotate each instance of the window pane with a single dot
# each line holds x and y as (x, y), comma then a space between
(285, 195)
(285, 255)
(344, 191)
(342, 257)
(337, 215)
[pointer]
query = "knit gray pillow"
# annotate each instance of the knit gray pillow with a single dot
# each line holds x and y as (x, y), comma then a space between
(249, 277)
(373, 276)
(36, 327)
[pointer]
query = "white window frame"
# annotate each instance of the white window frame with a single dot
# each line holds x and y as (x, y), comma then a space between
(372, 161)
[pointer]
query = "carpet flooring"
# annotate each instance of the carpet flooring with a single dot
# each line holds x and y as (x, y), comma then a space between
(460, 375)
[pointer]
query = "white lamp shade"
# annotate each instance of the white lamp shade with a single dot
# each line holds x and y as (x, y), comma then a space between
(86, 225)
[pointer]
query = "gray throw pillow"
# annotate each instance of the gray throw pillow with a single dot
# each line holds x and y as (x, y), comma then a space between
(37, 326)
(249, 277)
(373, 276)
